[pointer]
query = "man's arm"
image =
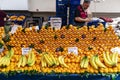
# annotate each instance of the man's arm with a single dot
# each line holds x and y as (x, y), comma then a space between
(78, 19)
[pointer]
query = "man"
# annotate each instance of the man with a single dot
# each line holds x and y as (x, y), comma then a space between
(2, 18)
(81, 15)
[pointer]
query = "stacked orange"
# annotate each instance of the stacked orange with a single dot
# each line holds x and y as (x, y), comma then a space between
(89, 42)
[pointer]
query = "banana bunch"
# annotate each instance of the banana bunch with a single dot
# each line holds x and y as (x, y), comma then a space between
(84, 62)
(5, 60)
(22, 62)
(30, 61)
(61, 61)
(110, 60)
(31, 58)
(96, 63)
(48, 60)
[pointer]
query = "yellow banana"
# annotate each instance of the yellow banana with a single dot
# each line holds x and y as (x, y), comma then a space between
(92, 62)
(2, 61)
(20, 62)
(7, 63)
(43, 62)
(108, 57)
(24, 61)
(107, 62)
(86, 62)
(53, 58)
(82, 62)
(57, 62)
(115, 58)
(31, 58)
(48, 60)
(99, 63)
(61, 61)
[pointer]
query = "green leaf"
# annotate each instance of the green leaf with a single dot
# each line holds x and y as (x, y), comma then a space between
(9, 47)
(113, 76)
(23, 30)
(105, 29)
(6, 38)
(67, 27)
(90, 48)
(42, 41)
(1, 45)
(39, 51)
(76, 40)
(31, 46)
(7, 29)
(55, 36)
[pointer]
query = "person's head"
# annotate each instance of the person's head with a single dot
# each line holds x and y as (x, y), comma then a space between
(86, 4)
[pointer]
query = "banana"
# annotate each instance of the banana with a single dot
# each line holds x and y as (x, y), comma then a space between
(24, 60)
(108, 57)
(53, 59)
(92, 62)
(107, 62)
(11, 52)
(48, 59)
(2, 61)
(99, 63)
(57, 62)
(82, 62)
(31, 58)
(115, 58)
(7, 61)
(86, 62)
(61, 61)
(43, 62)
(20, 62)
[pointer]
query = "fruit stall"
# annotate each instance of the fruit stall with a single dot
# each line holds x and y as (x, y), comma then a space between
(65, 54)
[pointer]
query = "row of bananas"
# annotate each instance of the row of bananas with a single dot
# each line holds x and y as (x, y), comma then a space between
(24, 61)
(5, 60)
(48, 60)
(110, 60)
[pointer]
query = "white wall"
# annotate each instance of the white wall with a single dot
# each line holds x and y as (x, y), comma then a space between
(42, 5)
(106, 6)
(14, 4)
(112, 6)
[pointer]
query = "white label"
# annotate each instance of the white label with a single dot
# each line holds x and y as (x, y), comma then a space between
(115, 50)
(73, 50)
(25, 51)
(56, 22)
(14, 28)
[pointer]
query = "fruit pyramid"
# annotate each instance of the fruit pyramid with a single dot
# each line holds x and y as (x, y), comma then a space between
(94, 46)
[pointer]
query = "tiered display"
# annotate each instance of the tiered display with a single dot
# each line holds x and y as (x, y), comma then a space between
(49, 51)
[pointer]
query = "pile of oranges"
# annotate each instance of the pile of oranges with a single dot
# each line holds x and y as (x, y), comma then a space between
(89, 41)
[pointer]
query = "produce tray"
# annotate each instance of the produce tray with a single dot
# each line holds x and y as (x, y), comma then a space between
(22, 76)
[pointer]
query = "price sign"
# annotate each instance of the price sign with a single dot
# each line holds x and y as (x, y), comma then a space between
(25, 51)
(73, 50)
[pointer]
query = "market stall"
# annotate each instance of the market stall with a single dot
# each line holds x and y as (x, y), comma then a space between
(67, 53)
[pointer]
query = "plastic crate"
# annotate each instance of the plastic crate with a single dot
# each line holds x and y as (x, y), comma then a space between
(96, 23)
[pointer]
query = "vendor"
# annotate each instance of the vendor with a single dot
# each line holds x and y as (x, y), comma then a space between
(2, 18)
(81, 14)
